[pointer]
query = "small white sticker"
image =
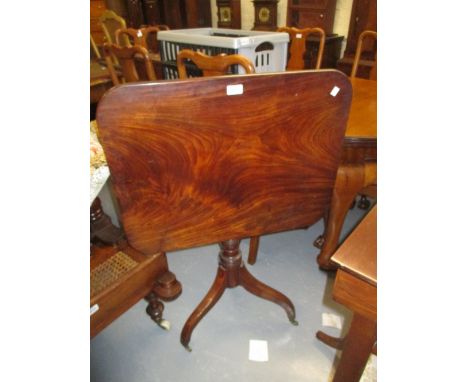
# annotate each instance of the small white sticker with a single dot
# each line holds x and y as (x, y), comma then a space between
(332, 320)
(258, 350)
(298, 35)
(235, 89)
(94, 309)
(244, 41)
(139, 34)
(335, 91)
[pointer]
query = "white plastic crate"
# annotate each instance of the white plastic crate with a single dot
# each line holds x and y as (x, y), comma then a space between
(268, 51)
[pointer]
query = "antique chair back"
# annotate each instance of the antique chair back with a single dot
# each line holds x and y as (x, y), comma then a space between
(126, 60)
(297, 46)
(357, 57)
(145, 37)
(211, 65)
(110, 22)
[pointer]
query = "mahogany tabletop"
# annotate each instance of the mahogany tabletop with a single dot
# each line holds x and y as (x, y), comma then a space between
(362, 122)
(358, 254)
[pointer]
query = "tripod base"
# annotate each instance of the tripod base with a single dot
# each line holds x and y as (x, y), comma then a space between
(231, 273)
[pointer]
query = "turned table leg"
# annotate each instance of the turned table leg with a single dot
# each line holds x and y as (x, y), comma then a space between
(231, 273)
(102, 229)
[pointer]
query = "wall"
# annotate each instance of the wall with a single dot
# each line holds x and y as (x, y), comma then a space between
(342, 15)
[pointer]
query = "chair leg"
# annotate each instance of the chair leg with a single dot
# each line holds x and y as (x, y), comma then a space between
(253, 249)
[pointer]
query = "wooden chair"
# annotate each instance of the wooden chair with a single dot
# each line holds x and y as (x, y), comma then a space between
(297, 46)
(146, 37)
(126, 59)
(110, 22)
(357, 57)
(211, 65)
(193, 165)
(363, 203)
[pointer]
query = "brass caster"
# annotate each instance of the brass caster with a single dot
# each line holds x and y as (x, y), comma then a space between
(294, 322)
(164, 324)
(188, 348)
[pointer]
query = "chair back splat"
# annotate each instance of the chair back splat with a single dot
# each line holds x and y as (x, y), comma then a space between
(211, 65)
(297, 46)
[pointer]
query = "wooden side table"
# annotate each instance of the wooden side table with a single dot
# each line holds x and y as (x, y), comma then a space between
(356, 288)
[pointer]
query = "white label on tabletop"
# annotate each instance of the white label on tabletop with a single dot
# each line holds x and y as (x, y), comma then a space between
(298, 35)
(235, 89)
(139, 34)
(94, 309)
(335, 91)
(258, 350)
(332, 320)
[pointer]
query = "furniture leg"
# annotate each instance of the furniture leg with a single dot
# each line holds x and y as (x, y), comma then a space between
(334, 342)
(102, 229)
(357, 348)
(211, 298)
(259, 289)
(253, 249)
(318, 242)
(155, 307)
(349, 180)
(231, 273)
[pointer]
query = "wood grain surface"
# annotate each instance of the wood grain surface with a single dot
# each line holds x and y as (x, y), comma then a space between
(192, 165)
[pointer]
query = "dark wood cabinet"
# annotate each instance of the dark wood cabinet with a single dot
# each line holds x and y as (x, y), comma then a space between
(312, 13)
(363, 17)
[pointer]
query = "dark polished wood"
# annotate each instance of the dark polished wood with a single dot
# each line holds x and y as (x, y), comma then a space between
(307, 13)
(103, 232)
(266, 15)
(356, 288)
(357, 172)
(229, 14)
(232, 273)
(363, 17)
(192, 165)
